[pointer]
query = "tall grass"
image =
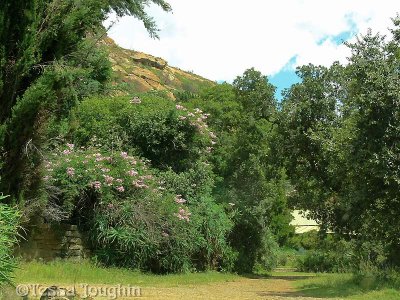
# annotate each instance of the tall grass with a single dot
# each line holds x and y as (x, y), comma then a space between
(69, 272)
(8, 232)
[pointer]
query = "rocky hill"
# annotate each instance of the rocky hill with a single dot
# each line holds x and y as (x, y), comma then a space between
(139, 72)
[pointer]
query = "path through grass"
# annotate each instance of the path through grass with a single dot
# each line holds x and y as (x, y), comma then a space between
(209, 285)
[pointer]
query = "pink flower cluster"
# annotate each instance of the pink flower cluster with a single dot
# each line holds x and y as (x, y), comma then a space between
(108, 179)
(102, 167)
(132, 173)
(70, 171)
(67, 151)
(139, 184)
(183, 214)
(120, 189)
(180, 107)
(198, 120)
(96, 185)
(179, 199)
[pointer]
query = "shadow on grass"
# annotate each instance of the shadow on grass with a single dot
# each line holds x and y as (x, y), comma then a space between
(338, 285)
(324, 286)
(291, 277)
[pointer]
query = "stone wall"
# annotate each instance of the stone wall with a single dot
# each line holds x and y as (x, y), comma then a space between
(46, 242)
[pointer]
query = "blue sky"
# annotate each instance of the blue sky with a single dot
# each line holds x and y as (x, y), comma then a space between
(286, 77)
(221, 39)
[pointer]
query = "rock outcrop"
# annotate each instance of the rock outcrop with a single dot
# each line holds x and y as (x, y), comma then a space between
(141, 72)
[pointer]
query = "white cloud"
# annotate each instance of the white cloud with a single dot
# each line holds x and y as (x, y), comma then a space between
(219, 39)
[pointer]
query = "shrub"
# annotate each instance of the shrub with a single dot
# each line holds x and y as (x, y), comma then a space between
(329, 256)
(168, 134)
(133, 216)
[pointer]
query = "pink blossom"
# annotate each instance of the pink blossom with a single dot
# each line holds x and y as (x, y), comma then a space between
(96, 185)
(198, 110)
(132, 173)
(183, 214)
(179, 199)
(110, 205)
(182, 118)
(121, 189)
(212, 135)
(180, 107)
(67, 151)
(108, 179)
(105, 170)
(119, 180)
(191, 114)
(139, 184)
(124, 155)
(71, 146)
(164, 234)
(70, 171)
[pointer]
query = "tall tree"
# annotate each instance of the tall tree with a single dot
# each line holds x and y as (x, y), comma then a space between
(341, 131)
(46, 48)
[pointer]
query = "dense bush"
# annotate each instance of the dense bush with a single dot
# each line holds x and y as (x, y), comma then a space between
(159, 217)
(8, 232)
(334, 253)
(168, 134)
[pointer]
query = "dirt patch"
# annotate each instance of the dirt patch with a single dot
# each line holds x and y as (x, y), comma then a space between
(246, 288)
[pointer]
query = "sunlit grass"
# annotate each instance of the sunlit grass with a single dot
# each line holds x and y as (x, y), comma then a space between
(64, 272)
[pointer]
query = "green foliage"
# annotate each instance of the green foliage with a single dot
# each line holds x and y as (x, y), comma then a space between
(250, 180)
(50, 59)
(340, 129)
(307, 240)
(329, 255)
(132, 218)
(256, 94)
(167, 134)
(9, 219)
